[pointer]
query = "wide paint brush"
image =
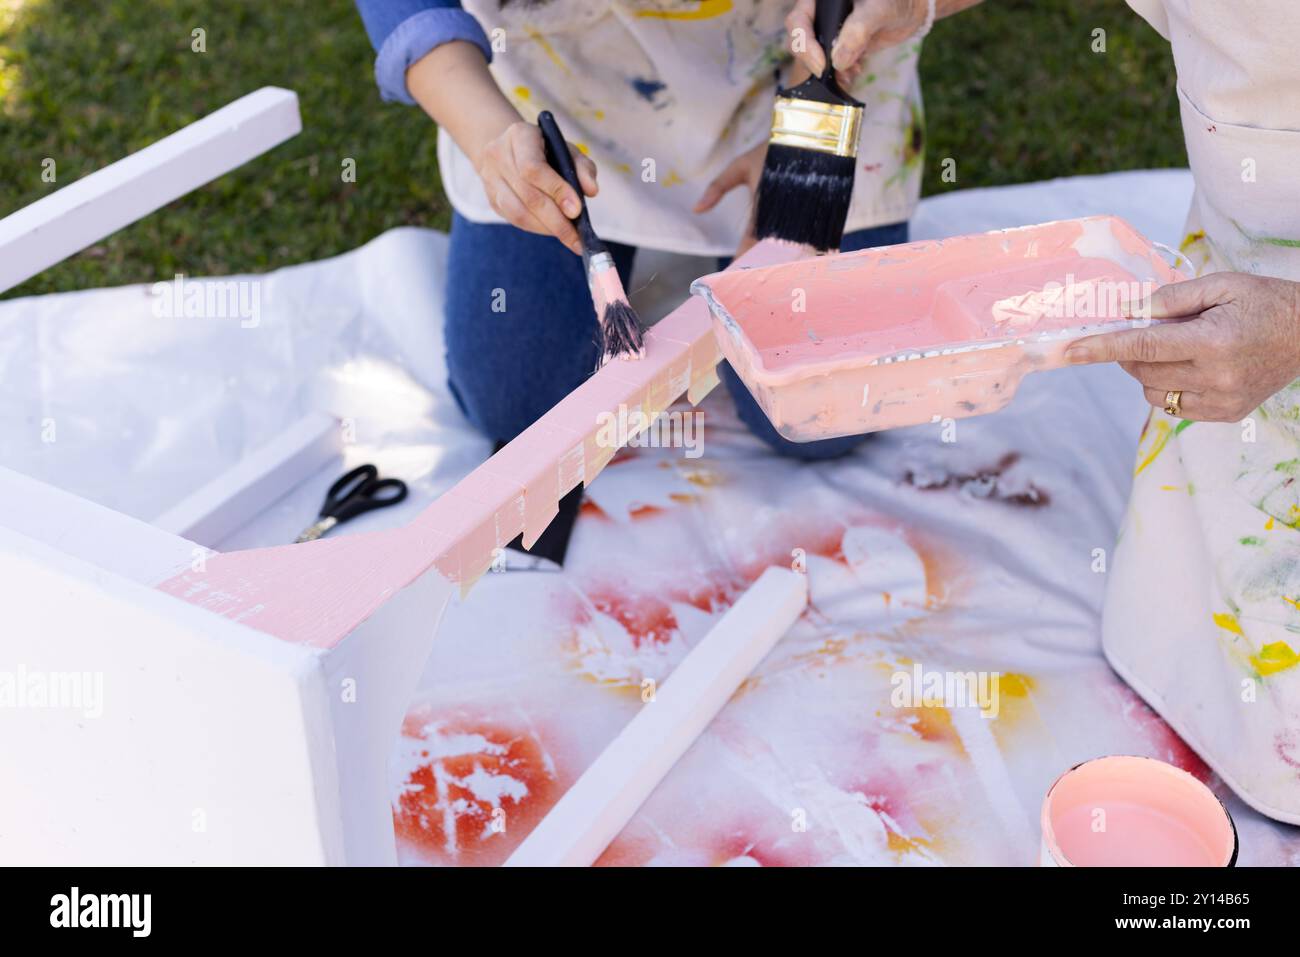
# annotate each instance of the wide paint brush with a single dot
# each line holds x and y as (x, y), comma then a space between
(618, 327)
(807, 183)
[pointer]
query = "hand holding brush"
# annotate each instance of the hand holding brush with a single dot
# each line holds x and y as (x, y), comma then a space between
(872, 26)
(807, 183)
(619, 331)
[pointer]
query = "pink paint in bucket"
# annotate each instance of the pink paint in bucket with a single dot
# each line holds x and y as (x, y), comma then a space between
(1125, 811)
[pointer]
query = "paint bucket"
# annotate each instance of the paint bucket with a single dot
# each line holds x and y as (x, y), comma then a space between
(1125, 811)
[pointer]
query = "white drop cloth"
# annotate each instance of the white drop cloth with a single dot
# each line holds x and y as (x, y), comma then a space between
(919, 551)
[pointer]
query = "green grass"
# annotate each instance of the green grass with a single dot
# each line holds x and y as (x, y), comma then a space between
(1014, 93)
(1012, 90)
(88, 82)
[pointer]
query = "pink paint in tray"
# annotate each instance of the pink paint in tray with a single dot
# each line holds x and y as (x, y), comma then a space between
(900, 335)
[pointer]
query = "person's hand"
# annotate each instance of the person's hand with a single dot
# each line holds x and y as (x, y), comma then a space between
(1235, 342)
(872, 26)
(745, 170)
(525, 191)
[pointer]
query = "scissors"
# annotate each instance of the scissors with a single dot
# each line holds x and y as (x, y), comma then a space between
(361, 490)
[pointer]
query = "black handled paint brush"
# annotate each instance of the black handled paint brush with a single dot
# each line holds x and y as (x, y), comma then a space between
(618, 327)
(807, 184)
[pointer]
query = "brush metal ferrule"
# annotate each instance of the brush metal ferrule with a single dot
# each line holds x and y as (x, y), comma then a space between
(597, 265)
(810, 125)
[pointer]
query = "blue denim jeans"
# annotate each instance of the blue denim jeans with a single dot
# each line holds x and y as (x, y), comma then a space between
(520, 330)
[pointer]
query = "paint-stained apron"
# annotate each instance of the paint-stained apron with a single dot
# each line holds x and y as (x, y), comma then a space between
(663, 95)
(1202, 612)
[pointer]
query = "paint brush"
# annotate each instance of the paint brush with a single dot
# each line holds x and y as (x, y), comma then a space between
(807, 183)
(618, 328)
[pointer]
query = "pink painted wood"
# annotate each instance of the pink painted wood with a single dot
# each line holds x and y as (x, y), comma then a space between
(316, 593)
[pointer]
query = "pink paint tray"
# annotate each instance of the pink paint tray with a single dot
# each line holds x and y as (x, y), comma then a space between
(901, 335)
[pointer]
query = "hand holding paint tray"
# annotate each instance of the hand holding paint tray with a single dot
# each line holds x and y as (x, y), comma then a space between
(901, 335)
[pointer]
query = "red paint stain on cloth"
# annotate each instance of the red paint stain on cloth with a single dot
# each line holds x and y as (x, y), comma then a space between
(589, 509)
(646, 610)
(470, 789)
(649, 617)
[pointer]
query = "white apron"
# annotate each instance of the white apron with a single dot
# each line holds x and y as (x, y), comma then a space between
(1202, 612)
(663, 95)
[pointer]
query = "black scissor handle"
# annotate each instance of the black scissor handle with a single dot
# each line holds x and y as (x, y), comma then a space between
(346, 486)
(372, 496)
(361, 490)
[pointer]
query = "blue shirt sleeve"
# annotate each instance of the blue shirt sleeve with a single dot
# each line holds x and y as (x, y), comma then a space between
(402, 31)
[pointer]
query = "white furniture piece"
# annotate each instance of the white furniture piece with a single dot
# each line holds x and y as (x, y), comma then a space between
(72, 218)
(246, 703)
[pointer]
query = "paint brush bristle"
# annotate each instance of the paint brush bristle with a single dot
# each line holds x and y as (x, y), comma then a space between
(803, 197)
(619, 332)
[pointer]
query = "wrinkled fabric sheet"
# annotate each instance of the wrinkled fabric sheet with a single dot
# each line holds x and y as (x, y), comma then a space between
(979, 546)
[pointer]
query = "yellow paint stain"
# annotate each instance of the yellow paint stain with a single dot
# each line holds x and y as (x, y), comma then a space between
(598, 114)
(1013, 685)
(746, 686)
(1274, 658)
(672, 179)
(1171, 488)
(624, 686)
(832, 646)
(829, 652)
(901, 844)
(1190, 240)
(582, 148)
(704, 478)
(1160, 433)
(1228, 623)
(623, 168)
(888, 668)
(1292, 602)
(1268, 526)
(932, 722)
(523, 93)
(549, 50)
(1010, 706)
(706, 10)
